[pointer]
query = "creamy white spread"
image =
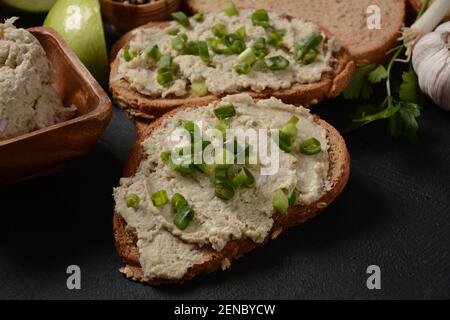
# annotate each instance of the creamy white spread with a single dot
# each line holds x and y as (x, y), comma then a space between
(27, 99)
(219, 75)
(167, 252)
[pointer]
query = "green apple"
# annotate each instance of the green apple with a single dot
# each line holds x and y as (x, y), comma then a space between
(35, 6)
(80, 24)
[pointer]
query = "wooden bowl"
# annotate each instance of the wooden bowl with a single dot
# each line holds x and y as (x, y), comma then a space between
(37, 152)
(127, 16)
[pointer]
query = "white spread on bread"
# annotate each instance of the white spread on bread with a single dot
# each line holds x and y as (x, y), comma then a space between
(219, 75)
(27, 99)
(167, 252)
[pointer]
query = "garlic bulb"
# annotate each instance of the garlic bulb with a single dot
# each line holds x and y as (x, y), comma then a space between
(431, 61)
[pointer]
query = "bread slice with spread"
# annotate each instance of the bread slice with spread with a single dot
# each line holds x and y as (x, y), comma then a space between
(197, 60)
(175, 221)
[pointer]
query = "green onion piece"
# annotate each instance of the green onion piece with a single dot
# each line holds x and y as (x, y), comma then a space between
(173, 31)
(224, 190)
(165, 63)
(181, 18)
(310, 43)
(179, 42)
(160, 198)
(153, 52)
(259, 48)
(199, 88)
(127, 55)
(192, 48)
(310, 146)
(242, 68)
(277, 63)
(225, 111)
(164, 77)
(238, 46)
(285, 141)
(250, 182)
(203, 51)
(248, 56)
(183, 217)
(292, 198)
(290, 129)
(241, 33)
(229, 8)
(165, 157)
(189, 126)
(222, 126)
(280, 201)
(218, 46)
(219, 30)
(294, 120)
(178, 201)
(240, 178)
(260, 18)
(199, 17)
(275, 38)
(132, 200)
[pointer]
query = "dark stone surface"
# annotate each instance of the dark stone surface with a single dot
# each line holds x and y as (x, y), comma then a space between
(395, 213)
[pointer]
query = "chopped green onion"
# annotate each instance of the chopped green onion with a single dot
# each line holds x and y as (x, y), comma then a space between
(179, 42)
(275, 38)
(218, 46)
(132, 200)
(219, 30)
(305, 51)
(181, 18)
(178, 201)
(310, 146)
(294, 120)
(225, 111)
(260, 18)
(164, 77)
(160, 198)
(183, 217)
(192, 48)
(248, 56)
(173, 31)
(189, 126)
(277, 63)
(242, 68)
(240, 178)
(127, 55)
(229, 8)
(241, 33)
(285, 141)
(203, 51)
(165, 157)
(250, 182)
(238, 46)
(292, 198)
(199, 17)
(165, 63)
(259, 48)
(224, 190)
(280, 201)
(153, 52)
(199, 88)
(222, 126)
(290, 129)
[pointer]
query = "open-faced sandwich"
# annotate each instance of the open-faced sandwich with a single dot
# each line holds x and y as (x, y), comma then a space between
(188, 206)
(194, 61)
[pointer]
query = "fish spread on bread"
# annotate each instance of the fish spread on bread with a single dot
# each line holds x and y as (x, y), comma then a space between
(220, 54)
(182, 212)
(28, 100)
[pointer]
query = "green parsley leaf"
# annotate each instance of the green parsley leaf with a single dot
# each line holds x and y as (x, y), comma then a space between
(409, 89)
(377, 75)
(359, 85)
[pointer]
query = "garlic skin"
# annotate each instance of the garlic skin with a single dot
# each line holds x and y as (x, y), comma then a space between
(431, 61)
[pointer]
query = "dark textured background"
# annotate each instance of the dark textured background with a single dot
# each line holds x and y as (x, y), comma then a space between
(395, 213)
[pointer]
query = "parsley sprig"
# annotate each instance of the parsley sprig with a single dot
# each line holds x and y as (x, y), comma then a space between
(403, 98)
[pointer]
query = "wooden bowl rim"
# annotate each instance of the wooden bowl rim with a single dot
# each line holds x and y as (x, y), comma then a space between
(104, 106)
(141, 6)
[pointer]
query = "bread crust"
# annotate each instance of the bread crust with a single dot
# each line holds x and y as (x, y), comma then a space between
(125, 238)
(141, 106)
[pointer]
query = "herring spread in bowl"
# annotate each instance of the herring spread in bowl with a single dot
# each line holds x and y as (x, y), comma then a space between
(183, 211)
(28, 100)
(225, 52)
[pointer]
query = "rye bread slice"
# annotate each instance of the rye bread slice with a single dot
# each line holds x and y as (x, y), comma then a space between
(347, 19)
(141, 106)
(125, 237)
